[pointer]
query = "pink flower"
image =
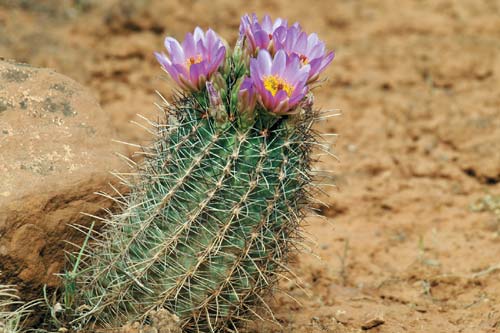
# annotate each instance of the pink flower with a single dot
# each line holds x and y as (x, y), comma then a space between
(192, 63)
(279, 82)
(260, 36)
(308, 48)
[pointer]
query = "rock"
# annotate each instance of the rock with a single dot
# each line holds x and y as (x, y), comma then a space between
(372, 323)
(162, 321)
(56, 151)
(165, 322)
(341, 316)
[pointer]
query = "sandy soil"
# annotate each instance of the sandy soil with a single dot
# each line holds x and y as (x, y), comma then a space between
(417, 83)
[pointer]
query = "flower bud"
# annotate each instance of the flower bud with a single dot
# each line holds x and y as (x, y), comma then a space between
(247, 100)
(217, 110)
(246, 96)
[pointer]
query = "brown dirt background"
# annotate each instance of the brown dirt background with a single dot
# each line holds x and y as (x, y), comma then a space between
(418, 86)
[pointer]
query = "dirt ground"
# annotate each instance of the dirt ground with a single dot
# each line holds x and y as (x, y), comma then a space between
(417, 83)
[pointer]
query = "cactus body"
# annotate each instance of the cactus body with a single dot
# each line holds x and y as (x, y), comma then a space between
(207, 228)
(210, 219)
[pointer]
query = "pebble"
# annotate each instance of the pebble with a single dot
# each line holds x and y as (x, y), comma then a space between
(372, 323)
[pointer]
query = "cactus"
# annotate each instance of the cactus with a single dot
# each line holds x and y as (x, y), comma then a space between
(214, 209)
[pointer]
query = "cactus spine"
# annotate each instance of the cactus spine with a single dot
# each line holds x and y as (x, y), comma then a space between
(13, 311)
(214, 211)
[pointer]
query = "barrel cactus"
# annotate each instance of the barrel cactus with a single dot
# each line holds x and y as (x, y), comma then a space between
(215, 207)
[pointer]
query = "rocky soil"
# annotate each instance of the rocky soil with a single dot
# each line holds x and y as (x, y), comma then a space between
(400, 248)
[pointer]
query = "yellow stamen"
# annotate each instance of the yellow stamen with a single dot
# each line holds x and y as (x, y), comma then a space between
(274, 83)
(193, 60)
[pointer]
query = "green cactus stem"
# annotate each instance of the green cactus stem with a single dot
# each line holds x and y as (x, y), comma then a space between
(214, 210)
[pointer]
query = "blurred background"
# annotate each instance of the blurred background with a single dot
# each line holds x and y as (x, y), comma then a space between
(419, 142)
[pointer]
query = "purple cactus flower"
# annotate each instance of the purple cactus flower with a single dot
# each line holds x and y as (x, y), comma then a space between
(247, 96)
(192, 63)
(279, 82)
(260, 36)
(309, 48)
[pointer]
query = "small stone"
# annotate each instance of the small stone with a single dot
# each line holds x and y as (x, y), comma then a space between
(372, 323)
(165, 322)
(352, 148)
(421, 309)
(341, 316)
(58, 308)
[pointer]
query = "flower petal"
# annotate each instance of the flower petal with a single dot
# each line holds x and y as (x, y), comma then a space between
(198, 34)
(264, 62)
(282, 107)
(196, 71)
(174, 49)
(327, 60)
(162, 59)
(216, 62)
(261, 38)
(279, 63)
(189, 46)
(267, 24)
